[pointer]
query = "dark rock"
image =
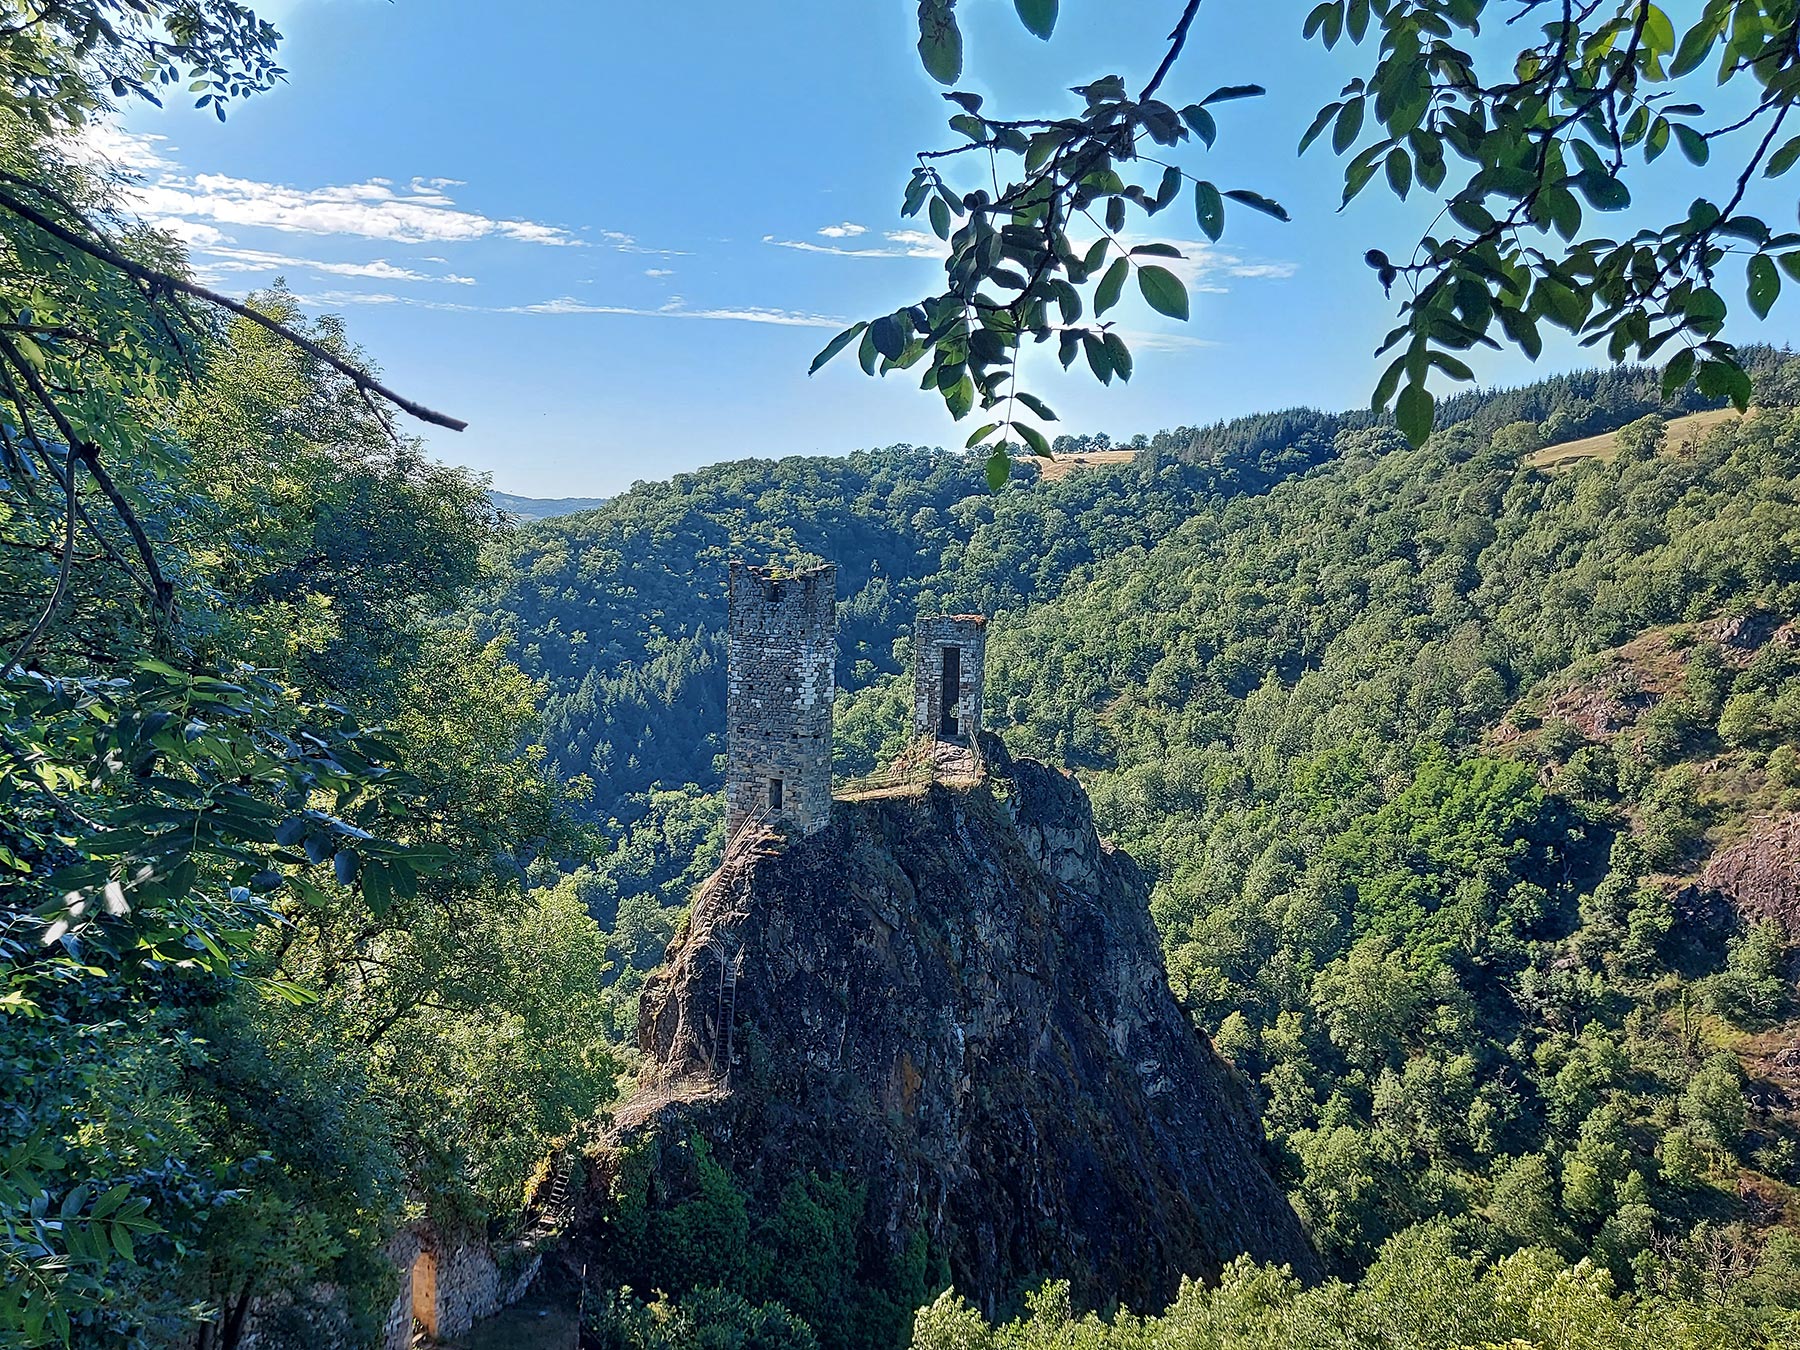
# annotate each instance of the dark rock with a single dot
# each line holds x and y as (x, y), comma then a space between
(1760, 873)
(956, 997)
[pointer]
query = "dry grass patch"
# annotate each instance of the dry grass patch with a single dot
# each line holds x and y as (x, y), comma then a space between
(1050, 470)
(1683, 431)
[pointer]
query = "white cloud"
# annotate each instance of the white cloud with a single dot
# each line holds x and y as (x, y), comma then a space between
(675, 308)
(193, 233)
(110, 147)
(658, 272)
(421, 212)
(1153, 340)
(900, 244)
(625, 243)
(216, 259)
(370, 210)
(1201, 266)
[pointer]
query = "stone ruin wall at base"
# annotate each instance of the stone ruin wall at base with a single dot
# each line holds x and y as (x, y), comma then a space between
(782, 656)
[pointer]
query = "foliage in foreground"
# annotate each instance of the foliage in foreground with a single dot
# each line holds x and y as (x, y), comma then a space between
(1422, 1293)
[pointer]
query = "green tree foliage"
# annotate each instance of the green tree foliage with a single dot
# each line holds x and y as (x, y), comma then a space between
(1528, 144)
(1422, 1293)
(269, 975)
(1423, 912)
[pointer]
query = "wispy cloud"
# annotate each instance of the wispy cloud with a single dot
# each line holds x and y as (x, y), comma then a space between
(196, 206)
(899, 244)
(620, 242)
(658, 272)
(675, 308)
(218, 258)
(1202, 266)
(418, 213)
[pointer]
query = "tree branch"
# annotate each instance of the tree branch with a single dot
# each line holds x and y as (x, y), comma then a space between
(1177, 40)
(166, 281)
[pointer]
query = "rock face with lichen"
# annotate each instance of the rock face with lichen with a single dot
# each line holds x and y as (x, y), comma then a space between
(1760, 873)
(954, 999)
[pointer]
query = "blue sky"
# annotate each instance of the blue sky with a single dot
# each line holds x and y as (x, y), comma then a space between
(612, 236)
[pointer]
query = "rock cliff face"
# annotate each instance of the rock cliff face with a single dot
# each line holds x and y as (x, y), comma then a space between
(955, 998)
(1760, 874)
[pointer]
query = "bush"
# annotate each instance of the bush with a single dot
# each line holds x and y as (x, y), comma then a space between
(1752, 990)
(706, 1319)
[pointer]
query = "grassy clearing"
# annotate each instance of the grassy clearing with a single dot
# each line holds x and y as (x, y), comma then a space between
(1682, 431)
(1064, 465)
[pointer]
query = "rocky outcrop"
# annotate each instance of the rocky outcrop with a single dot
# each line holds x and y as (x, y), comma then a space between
(1760, 874)
(955, 998)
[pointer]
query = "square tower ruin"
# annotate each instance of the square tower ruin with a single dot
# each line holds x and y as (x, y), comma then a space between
(783, 654)
(949, 660)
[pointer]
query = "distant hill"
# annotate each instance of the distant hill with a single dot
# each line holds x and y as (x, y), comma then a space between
(542, 508)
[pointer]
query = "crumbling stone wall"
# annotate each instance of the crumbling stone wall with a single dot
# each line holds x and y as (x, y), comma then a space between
(451, 1280)
(933, 637)
(783, 651)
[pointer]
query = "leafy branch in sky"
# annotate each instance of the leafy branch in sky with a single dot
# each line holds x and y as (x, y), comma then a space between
(1542, 140)
(1045, 256)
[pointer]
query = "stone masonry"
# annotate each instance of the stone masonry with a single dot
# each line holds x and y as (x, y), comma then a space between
(783, 653)
(949, 661)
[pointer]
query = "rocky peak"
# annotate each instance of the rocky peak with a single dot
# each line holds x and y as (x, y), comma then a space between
(955, 999)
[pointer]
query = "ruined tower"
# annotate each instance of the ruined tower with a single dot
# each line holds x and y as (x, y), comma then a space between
(783, 650)
(949, 659)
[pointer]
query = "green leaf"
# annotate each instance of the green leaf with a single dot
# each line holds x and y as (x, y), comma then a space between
(1385, 386)
(1602, 190)
(1169, 187)
(1037, 406)
(1348, 127)
(1034, 438)
(1694, 46)
(1111, 286)
(1413, 413)
(1765, 284)
(1118, 355)
(940, 41)
(1318, 124)
(980, 434)
(1257, 202)
(1399, 172)
(1163, 291)
(1098, 358)
(1692, 143)
(1724, 379)
(940, 218)
(1201, 123)
(832, 348)
(960, 397)
(1678, 372)
(1783, 159)
(1038, 16)
(1209, 210)
(1232, 91)
(999, 469)
(889, 335)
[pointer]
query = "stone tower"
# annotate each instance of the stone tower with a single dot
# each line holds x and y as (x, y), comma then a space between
(783, 650)
(949, 659)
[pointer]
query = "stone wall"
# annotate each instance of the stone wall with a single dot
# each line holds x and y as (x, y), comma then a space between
(933, 636)
(783, 653)
(458, 1279)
